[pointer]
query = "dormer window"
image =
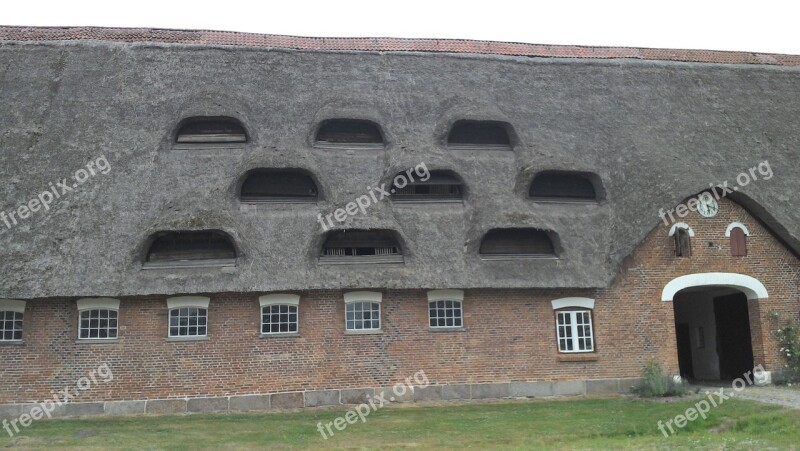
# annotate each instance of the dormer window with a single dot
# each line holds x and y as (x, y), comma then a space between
(441, 186)
(184, 249)
(211, 130)
(361, 246)
(558, 186)
(278, 185)
(349, 133)
(516, 243)
(480, 135)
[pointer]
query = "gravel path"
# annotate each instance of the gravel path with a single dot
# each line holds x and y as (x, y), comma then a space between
(782, 396)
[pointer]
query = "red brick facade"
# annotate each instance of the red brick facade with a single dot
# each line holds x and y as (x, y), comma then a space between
(509, 335)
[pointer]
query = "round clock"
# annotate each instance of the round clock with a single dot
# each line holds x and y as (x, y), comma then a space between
(707, 206)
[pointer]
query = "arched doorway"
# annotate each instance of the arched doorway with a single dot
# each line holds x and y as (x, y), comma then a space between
(712, 323)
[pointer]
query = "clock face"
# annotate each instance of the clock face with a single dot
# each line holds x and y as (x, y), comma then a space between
(707, 206)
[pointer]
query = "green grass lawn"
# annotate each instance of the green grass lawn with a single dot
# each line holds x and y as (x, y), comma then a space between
(574, 424)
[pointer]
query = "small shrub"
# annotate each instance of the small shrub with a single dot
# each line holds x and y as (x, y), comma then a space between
(788, 336)
(657, 384)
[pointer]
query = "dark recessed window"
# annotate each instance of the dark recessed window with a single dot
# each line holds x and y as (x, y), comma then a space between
(277, 185)
(500, 244)
(361, 246)
(683, 243)
(191, 248)
(349, 133)
(441, 186)
(562, 187)
(211, 130)
(479, 134)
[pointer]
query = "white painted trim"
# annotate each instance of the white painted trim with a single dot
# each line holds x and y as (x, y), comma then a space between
(445, 295)
(188, 301)
(363, 296)
(11, 305)
(279, 299)
(681, 225)
(98, 303)
(573, 302)
(746, 284)
(734, 225)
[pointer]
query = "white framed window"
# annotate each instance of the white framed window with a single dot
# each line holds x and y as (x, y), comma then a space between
(11, 315)
(363, 311)
(574, 324)
(188, 316)
(98, 319)
(445, 309)
(279, 313)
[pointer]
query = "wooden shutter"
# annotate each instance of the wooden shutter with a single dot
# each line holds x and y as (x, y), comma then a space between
(738, 242)
(683, 245)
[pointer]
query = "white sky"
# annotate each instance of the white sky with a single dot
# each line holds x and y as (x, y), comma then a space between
(756, 25)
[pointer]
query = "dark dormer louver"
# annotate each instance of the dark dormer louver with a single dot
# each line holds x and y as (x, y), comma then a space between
(361, 246)
(512, 243)
(279, 185)
(562, 186)
(211, 130)
(441, 186)
(191, 248)
(349, 133)
(486, 135)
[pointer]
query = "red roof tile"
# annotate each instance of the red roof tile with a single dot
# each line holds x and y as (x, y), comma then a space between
(206, 37)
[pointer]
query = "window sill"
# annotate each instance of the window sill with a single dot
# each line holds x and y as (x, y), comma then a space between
(187, 339)
(209, 146)
(511, 257)
(426, 201)
(361, 260)
(480, 147)
(364, 332)
(578, 357)
(446, 329)
(349, 146)
(557, 200)
(11, 343)
(96, 341)
(279, 201)
(190, 264)
(281, 335)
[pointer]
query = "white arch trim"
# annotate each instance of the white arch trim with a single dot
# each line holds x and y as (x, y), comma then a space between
(188, 301)
(746, 284)
(98, 303)
(12, 305)
(734, 225)
(573, 302)
(445, 295)
(681, 225)
(362, 296)
(279, 299)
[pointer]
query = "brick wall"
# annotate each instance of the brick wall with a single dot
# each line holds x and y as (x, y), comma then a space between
(509, 334)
